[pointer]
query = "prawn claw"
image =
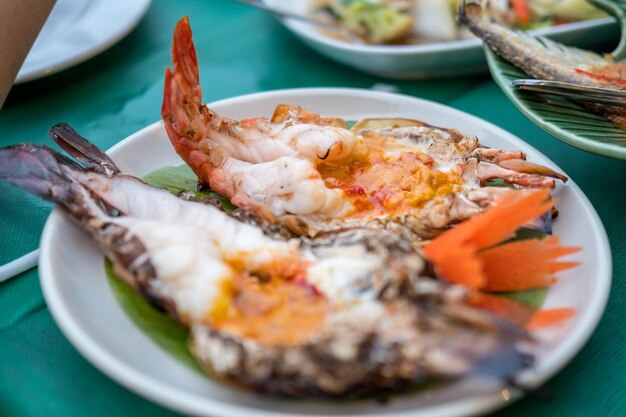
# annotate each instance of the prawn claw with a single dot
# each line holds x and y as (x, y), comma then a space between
(526, 167)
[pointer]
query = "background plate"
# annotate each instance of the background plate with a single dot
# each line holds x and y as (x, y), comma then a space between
(429, 60)
(81, 301)
(77, 30)
(563, 119)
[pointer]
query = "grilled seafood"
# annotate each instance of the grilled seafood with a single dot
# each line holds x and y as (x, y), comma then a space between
(542, 58)
(343, 315)
(315, 175)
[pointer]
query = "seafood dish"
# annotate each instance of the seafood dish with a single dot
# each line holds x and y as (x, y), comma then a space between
(341, 314)
(418, 21)
(346, 312)
(281, 315)
(542, 58)
(315, 175)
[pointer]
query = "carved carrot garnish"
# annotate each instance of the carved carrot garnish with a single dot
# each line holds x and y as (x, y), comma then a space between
(549, 317)
(518, 313)
(504, 308)
(473, 255)
(525, 264)
(468, 255)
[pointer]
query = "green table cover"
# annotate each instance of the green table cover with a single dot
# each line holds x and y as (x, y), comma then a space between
(243, 51)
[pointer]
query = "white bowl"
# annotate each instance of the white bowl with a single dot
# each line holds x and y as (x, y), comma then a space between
(439, 59)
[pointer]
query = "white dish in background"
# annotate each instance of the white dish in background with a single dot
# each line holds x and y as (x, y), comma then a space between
(431, 60)
(77, 30)
(82, 303)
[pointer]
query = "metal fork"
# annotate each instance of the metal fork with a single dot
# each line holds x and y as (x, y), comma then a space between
(282, 14)
(573, 91)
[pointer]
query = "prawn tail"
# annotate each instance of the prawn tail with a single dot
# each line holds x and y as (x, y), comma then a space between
(44, 172)
(84, 151)
(182, 94)
(50, 175)
(38, 170)
(184, 54)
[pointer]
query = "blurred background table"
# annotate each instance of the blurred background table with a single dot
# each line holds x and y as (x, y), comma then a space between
(243, 51)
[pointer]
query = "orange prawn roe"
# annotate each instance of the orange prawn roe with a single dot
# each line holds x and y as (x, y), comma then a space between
(384, 180)
(275, 310)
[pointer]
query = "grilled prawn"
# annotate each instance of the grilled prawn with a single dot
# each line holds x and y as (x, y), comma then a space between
(342, 315)
(315, 175)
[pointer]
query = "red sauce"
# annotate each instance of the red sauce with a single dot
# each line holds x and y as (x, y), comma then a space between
(385, 180)
(611, 74)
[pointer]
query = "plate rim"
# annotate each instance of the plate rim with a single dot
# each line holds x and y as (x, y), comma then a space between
(177, 399)
(580, 142)
(124, 27)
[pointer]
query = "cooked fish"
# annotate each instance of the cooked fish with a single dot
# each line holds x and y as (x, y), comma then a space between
(543, 58)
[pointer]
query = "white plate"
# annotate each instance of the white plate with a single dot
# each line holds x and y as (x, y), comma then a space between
(81, 302)
(76, 30)
(437, 59)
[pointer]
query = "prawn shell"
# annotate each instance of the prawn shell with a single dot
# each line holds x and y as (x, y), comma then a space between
(390, 326)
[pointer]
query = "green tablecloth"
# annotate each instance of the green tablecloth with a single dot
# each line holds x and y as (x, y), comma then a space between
(245, 51)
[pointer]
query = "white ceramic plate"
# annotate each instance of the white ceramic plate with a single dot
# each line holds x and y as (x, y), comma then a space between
(438, 59)
(77, 30)
(81, 302)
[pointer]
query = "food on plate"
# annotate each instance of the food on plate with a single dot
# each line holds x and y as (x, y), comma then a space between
(345, 314)
(472, 255)
(418, 21)
(315, 175)
(544, 59)
(377, 22)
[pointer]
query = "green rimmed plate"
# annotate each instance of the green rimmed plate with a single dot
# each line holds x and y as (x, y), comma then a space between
(562, 118)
